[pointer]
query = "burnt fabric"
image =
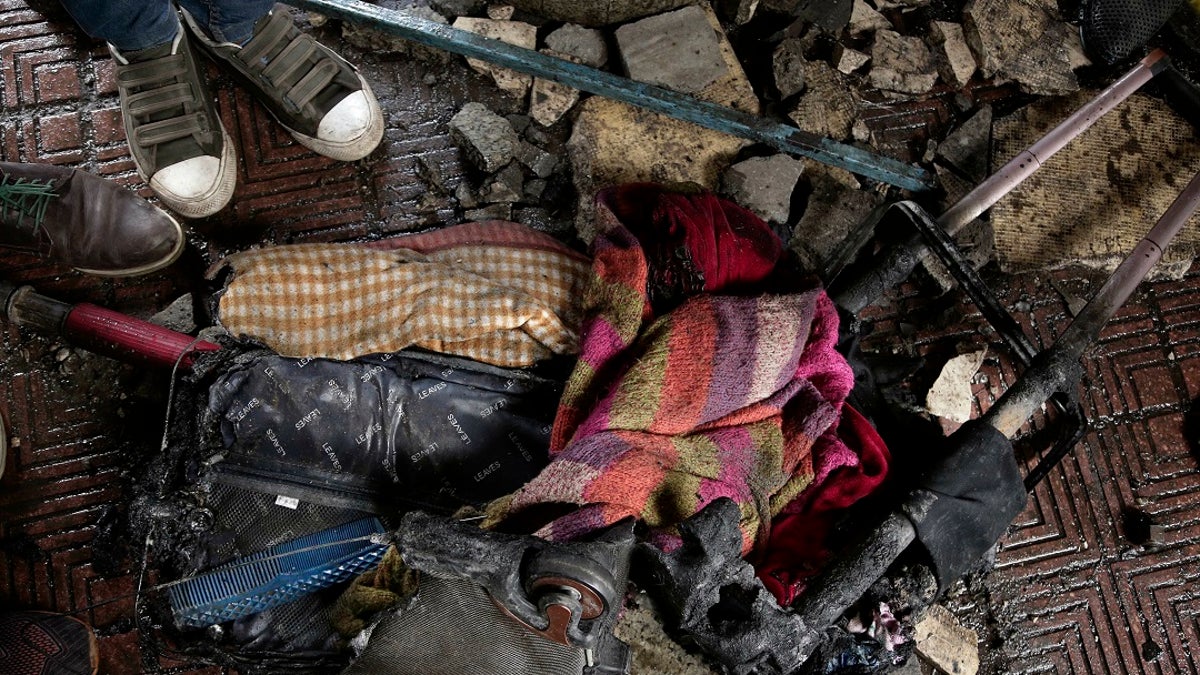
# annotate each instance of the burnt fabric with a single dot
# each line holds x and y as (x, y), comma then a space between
(495, 292)
(692, 384)
(411, 429)
(979, 491)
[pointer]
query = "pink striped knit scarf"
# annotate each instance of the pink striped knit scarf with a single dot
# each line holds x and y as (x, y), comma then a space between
(714, 395)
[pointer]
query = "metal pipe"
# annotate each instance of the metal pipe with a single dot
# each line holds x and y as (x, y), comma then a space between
(1059, 366)
(898, 262)
(673, 104)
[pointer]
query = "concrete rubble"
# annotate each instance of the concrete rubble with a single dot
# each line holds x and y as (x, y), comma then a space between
(500, 12)
(951, 398)
(764, 185)
(678, 50)
(957, 63)
(865, 19)
(585, 44)
(837, 204)
(613, 143)
(513, 32)
(550, 100)
(946, 644)
(787, 65)
(488, 140)
(902, 64)
(459, 7)
(849, 60)
(1022, 41)
(738, 11)
(830, 16)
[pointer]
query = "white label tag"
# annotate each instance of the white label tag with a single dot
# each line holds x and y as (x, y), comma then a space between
(287, 502)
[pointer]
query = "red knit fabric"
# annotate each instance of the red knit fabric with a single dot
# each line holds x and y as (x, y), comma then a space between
(800, 534)
(728, 248)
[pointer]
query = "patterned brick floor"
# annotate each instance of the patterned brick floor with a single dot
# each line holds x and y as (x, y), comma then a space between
(1072, 591)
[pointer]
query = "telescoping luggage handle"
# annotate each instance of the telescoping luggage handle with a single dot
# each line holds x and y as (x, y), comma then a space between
(1055, 368)
(896, 263)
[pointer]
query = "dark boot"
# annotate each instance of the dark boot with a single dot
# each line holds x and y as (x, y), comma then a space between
(41, 643)
(88, 223)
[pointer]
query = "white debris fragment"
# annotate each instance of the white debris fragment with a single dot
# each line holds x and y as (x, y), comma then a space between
(950, 397)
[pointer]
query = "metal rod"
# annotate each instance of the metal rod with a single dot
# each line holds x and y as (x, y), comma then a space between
(1059, 365)
(898, 262)
(673, 104)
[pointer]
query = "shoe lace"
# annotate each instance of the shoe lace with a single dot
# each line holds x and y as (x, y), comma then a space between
(28, 199)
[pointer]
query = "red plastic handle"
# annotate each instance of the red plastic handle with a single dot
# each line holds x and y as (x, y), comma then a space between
(128, 339)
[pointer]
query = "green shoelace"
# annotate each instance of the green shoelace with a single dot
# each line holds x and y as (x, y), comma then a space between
(28, 198)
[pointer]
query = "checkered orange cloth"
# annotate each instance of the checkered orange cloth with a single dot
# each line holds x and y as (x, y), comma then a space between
(495, 292)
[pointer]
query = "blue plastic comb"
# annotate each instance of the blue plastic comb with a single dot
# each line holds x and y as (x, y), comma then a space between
(280, 574)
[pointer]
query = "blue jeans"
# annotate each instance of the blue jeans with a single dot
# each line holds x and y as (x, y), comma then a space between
(137, 24)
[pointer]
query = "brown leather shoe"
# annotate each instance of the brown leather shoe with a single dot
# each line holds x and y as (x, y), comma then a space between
(88, 223)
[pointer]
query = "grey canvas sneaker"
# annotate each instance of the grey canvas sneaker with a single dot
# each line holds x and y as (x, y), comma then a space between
(317, 95)
(175, 136)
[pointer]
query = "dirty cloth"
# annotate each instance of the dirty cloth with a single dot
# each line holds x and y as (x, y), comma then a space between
(496, 292)
(692, 384)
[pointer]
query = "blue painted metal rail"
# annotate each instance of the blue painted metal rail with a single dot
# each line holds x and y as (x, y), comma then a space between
(785, 138)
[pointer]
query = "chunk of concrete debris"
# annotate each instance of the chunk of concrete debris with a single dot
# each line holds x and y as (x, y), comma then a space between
(968, 148)
(902, 64)
(1023, 42)
(830, 16)
(788, 63)
(738, 11)
(534, 189)
(585, 44)
(507, 186)
(828, 106)
(946, 644)
(950, 397)
(178, 316)
(514, 33)
(764, 185)
(466, 197)
(849, 60)
(537, 160)
(957, 62)
(550, 100)
(593, 14)
(615, 143)
(837, 205)
(678, 50)
(542, 220)
(864, 19)
(501, 12)
(488, 140)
